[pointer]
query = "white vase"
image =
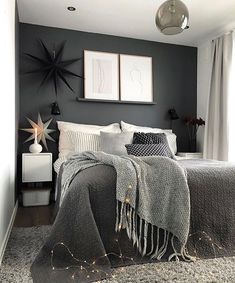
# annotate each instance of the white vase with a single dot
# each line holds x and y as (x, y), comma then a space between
(35, 147)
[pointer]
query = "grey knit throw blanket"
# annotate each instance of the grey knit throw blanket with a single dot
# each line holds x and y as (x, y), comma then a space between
(152, 194)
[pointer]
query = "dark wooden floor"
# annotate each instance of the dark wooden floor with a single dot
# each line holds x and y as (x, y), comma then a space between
(35, 216)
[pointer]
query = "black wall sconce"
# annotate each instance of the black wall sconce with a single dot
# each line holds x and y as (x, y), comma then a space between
(55, 110)
(173, 115)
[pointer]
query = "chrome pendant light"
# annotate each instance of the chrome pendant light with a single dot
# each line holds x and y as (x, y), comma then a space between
(172, 17)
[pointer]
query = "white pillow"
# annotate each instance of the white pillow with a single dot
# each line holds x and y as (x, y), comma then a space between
(133, 128)
(171, 138)
(91, 129)
(66, 145)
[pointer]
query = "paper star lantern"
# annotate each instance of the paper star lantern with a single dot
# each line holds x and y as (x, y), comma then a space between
(42, 131)
(53, 67)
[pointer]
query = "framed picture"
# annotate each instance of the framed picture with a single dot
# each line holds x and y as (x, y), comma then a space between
(101, 71)
(136, 78)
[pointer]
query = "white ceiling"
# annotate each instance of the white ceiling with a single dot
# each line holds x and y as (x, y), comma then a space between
(130, 18)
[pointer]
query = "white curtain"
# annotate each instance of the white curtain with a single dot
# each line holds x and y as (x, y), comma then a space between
(231, 108)
(216, 141)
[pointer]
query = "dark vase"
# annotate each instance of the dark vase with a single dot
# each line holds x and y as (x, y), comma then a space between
(192, 145)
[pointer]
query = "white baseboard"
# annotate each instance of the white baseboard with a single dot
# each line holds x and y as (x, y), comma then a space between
(6, 238)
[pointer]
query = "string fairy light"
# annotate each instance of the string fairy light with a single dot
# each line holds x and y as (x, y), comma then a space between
(89, 265)
(127, 198)
(92, 265)
(205, 236)
(82, 262)
(95, 270)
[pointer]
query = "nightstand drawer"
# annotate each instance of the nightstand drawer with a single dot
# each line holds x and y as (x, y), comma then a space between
(36, 196)
(36, 167)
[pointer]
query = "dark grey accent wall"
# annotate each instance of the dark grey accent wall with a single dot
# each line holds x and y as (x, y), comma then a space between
(174, 81)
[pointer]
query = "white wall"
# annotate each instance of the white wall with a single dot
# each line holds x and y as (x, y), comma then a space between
(7, 117)
(203, 85)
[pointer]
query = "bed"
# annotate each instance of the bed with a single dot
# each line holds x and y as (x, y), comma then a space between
(83, 245)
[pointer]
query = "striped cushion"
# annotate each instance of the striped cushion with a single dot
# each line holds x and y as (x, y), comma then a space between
(79, 142)
(85, 142)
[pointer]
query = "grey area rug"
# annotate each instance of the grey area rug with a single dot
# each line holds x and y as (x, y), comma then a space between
(25, 243)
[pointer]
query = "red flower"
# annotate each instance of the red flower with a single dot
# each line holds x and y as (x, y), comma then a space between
(200, 122)
(193, 121)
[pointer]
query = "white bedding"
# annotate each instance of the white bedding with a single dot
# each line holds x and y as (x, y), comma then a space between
(171, 137)
(69, 132)
(79, 137)
(58, 163)
(179, 157)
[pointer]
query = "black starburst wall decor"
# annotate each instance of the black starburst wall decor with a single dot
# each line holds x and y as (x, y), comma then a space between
(53, 67)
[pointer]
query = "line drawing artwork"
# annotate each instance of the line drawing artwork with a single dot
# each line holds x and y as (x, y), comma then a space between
(136, 78)
(102, 76)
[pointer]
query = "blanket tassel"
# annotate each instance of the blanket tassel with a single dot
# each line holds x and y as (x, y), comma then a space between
(126, 218)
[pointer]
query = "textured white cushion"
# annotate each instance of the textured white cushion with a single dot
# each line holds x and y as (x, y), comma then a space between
(115, 143)
(171, 138)
(66, 145)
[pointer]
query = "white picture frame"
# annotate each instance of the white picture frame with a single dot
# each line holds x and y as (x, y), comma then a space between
(136, 78)
(101, 71)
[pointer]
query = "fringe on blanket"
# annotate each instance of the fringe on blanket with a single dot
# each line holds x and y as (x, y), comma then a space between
(138, 230)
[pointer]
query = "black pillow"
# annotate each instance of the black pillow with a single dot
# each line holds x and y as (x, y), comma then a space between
(149, 138)
(152, 138)
(160, 149)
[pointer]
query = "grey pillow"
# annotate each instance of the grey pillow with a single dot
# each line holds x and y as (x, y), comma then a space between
(115, 143)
